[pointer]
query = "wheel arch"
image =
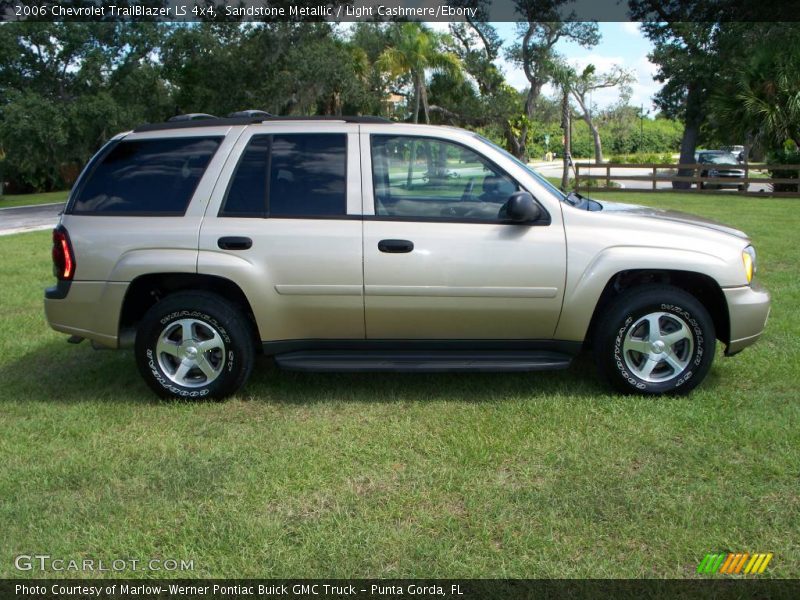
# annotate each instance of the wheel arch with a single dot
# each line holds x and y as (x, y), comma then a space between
(702, 287)
(147, 290)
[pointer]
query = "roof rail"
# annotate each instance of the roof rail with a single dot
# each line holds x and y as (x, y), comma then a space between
(232, 121)
(190, 117)
(250, 113)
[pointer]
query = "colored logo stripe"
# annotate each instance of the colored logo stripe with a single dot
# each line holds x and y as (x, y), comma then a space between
(710, 563)
(734, 563)
(758, 563)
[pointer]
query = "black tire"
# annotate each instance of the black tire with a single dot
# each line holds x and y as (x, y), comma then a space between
(214, 323)
(669, 367)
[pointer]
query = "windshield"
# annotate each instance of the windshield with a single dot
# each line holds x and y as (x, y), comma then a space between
(718, 159)
(559, 194)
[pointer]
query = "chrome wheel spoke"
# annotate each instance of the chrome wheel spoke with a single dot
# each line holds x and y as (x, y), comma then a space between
(674, 362)
(182, 371)
(186, 330)
(213, 344)
(670, 339)
(641, 346)
(647, 368)
(654, 324)
(206, 368)
(166, 346)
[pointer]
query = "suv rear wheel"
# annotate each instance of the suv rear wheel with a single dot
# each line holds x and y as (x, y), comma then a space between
(194, 345)
(655, 340)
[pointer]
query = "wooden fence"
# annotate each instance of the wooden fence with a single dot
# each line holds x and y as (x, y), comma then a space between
(587, 178)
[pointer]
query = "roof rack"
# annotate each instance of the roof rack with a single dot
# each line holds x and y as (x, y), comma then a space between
(190, 117)
(232, 121)
(253, 112)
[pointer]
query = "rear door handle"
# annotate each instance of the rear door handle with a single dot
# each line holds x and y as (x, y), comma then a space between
(395, 246)
(235, 243)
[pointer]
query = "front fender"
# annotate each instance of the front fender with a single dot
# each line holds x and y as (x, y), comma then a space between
(585, 285)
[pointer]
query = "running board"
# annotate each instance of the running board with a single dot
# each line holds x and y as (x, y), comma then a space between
(428, 361)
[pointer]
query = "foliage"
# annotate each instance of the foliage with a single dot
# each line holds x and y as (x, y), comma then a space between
(67, 88)
(785, 157)
(760, 102)
(414, 50)
(643, 158)
(535, 53)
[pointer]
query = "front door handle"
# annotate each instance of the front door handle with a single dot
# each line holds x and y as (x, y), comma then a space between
(395, 246)
(235, 243)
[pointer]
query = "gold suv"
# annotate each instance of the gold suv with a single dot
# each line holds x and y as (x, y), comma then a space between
(361, 244)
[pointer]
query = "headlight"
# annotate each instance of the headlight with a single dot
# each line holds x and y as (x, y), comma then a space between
(713, 173)
(749, 260)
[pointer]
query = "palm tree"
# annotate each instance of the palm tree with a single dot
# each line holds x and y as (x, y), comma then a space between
(565, 78)
(414, 50)
(763, 104)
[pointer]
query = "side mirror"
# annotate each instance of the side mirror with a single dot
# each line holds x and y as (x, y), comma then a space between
(522, 208)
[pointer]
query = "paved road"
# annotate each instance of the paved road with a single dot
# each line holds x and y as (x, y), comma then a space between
(29, 218)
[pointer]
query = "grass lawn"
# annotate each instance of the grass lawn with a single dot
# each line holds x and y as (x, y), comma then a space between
(8, 201)
(484, 475)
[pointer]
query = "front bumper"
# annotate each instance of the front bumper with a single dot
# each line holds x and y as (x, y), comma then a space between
(748, 310)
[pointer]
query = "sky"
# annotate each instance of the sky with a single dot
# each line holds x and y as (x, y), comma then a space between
(621, 43)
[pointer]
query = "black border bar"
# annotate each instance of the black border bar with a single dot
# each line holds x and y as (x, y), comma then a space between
(398, 10)
(413, 589)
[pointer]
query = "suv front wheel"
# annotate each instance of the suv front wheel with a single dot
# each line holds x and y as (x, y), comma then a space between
(194, 345)
(655, 340)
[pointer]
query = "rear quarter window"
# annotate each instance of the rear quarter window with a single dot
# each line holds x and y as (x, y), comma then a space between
(146, 177)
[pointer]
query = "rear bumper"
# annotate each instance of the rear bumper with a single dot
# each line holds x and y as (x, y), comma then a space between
(89, 309)
(748, 310)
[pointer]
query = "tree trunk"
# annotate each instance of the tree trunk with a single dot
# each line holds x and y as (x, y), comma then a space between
(598, 145)
(411, 161)
(566, 125)
(691, 132)
(424, 93)
(533, 95)
(587, 117)
(517, 144)
(417, 95)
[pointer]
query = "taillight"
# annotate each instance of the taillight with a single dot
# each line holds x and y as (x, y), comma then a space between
(63, 257)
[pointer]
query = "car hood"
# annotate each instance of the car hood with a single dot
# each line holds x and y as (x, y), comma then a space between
(670, 215)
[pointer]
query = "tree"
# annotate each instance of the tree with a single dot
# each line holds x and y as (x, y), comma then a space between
(66, 88)
(694, 51)
(478, 45)
(760, 102)
(414, 50)
(566, 79)
(585, 84)
(535, 53)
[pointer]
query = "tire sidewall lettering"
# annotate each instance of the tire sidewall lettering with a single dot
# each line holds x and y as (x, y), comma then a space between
(155, 370)
(684, 376)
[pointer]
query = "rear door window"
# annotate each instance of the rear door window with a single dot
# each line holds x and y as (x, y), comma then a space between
(146, 177)
(292, 175)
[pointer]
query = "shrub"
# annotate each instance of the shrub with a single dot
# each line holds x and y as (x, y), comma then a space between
(786, 157)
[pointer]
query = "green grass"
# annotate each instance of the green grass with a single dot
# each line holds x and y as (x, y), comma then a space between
(8, 201)
(483, 475)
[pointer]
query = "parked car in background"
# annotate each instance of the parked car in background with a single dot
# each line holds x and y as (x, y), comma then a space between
(721, 165)
(737, 151)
